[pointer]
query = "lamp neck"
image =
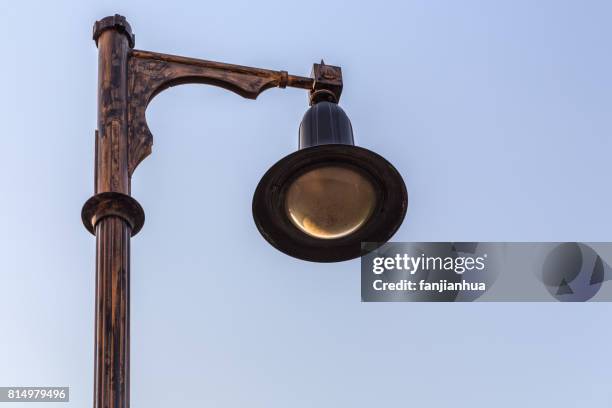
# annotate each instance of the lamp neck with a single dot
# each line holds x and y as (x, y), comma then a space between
(323, 95)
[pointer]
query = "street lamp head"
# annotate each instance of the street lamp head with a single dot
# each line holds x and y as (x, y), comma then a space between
(321, 202)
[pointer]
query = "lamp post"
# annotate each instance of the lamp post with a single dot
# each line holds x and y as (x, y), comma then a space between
(317, 204)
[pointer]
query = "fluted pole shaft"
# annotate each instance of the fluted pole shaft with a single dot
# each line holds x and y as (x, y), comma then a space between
(112, 343)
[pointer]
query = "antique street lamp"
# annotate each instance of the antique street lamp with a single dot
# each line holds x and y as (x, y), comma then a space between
(319, 203)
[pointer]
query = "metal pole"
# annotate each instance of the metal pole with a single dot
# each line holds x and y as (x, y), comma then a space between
(110, 213)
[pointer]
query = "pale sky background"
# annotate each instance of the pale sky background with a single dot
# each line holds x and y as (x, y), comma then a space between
(497, 114)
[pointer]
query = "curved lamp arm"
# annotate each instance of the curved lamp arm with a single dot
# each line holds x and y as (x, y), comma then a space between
(149, 73)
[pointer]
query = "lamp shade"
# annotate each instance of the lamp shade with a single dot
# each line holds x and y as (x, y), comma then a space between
(323, 201)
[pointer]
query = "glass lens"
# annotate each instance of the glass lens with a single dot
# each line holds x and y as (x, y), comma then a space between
(330, 202)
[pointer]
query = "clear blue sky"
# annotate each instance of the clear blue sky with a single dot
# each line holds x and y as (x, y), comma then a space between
(496, 113)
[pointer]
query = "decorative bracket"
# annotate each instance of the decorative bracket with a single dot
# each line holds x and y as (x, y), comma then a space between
(150, 73)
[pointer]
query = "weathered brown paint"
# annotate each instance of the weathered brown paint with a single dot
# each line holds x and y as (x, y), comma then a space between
(112, 336)
(127, 81)
(112, 113)
(112, 363)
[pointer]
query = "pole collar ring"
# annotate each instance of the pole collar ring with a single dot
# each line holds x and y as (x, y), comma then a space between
(109, 204)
